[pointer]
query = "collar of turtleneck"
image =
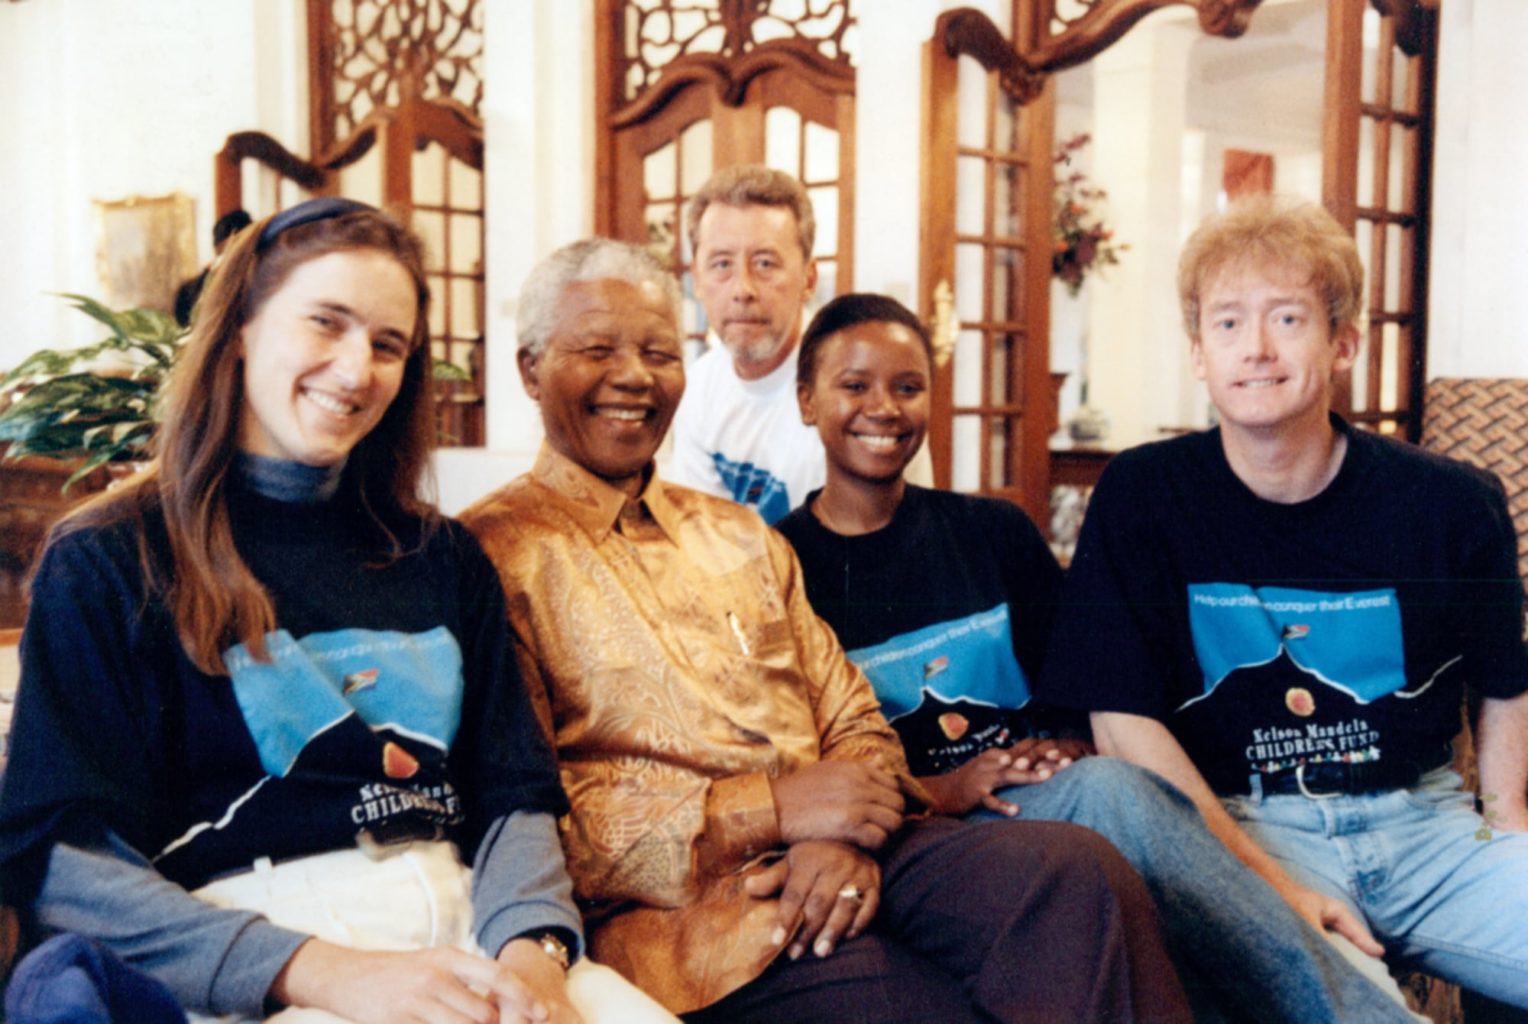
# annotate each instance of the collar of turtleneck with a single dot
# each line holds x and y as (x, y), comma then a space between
(288, 481)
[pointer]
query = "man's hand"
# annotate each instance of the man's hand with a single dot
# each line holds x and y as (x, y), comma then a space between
(1324, 913)
(827, 891)
(843, 801)
(975, 783)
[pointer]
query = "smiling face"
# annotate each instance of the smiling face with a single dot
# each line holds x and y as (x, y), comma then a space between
(324, 356)
(869, 400)
(1267, 351)
(753, 280)
(609, 378)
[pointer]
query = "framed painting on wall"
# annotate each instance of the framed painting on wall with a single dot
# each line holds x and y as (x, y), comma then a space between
(146, 246)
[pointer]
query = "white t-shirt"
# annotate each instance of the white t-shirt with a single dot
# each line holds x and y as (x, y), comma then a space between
(744, 439)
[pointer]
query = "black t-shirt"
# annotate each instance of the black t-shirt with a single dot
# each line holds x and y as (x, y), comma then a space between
(1338, 629)
(946, 609)
(392, 703)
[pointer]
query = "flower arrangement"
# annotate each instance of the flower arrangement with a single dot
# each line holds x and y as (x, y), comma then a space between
(1081, 241)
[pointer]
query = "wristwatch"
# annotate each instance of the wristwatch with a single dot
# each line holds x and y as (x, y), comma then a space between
(553, 947)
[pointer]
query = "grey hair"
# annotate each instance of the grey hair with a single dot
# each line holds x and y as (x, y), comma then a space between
(754, 185)
(592, 259)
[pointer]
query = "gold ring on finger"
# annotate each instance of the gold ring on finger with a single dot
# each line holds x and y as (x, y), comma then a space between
(852, 893)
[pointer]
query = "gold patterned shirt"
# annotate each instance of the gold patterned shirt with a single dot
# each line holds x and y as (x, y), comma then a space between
(674, 656)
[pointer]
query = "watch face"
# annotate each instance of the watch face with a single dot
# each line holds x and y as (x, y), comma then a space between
(553, 947)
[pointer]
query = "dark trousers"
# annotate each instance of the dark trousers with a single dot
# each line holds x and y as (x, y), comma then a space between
(1016, 922)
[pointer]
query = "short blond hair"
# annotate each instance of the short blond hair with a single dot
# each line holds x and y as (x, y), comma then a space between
(754, 185)
(1265, 231)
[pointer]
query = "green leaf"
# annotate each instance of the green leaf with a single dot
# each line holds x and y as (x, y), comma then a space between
(444, 369)
(93, 309)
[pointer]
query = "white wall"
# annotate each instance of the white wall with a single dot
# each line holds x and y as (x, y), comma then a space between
(1478, 316)
(102, 100)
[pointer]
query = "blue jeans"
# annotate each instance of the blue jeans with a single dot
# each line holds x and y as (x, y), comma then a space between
(1416, 865)
(1225, 926)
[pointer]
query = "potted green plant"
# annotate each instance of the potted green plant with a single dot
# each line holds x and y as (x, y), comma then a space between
(95, 402)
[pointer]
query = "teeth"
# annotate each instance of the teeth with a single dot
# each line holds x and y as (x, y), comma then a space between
(631, 415)
(329, 403)
(876, 441)
(1258, 383)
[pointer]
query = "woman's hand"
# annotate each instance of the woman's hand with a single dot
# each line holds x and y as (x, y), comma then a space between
(540, 983)
(438, 985)
(974, 784)
(828, 891)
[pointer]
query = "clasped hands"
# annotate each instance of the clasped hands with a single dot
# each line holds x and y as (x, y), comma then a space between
(440, 984)
(834, 813)
(831, 813)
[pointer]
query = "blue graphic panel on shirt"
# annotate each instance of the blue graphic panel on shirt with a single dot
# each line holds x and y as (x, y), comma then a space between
(951, 690)
(754, 485)
(410, 683)
(353, 728)
(1288, 674)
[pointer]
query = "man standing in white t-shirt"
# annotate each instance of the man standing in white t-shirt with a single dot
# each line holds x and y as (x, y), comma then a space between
(738, 433)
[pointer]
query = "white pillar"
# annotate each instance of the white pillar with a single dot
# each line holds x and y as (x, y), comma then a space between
(538, 126)
(1478, 316)
(1135, 335)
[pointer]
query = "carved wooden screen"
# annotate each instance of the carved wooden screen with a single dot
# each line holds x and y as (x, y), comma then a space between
(986, 264)
(1377, 176)
(689, 86)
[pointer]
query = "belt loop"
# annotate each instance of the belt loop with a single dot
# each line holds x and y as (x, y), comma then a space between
(262, 866)
(1255, 787)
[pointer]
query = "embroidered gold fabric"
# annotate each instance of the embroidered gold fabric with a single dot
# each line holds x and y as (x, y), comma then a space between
(674, 656)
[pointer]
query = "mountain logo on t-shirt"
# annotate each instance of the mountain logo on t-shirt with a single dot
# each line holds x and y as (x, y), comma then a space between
(951, 689)
(322, 711)
(409, 683)
(1349, 641)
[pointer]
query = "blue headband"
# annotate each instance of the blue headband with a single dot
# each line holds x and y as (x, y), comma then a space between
(322, 208)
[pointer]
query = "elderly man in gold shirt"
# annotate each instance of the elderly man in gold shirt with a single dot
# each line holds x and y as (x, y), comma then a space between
(742, 838)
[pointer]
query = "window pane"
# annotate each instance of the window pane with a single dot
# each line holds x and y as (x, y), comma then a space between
(466, 186)
(431, 228)
(695, 142)
(821, 153)
(658, 172)
(965, 457)
(782, 140)
(429, 170)
(825, 208)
